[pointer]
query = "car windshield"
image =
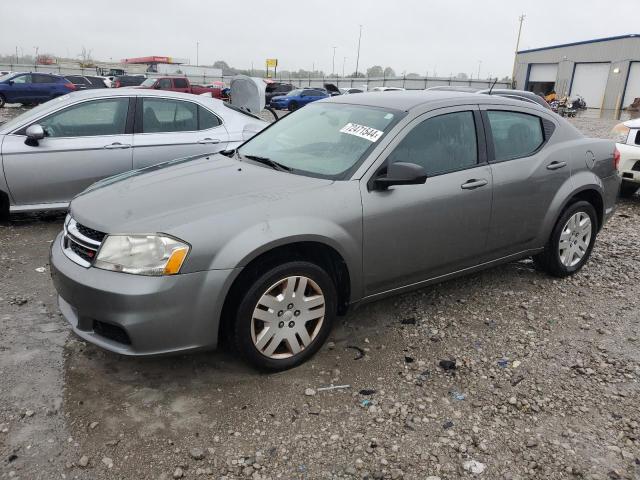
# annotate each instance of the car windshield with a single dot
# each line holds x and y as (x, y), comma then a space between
(148, 82)
(294, 93)
(325, 140)
(6, 76)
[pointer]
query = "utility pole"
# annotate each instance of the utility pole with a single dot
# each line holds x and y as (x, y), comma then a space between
(344, 60)
(479, 65)
(358, 57)
(17, 61)
(197, 54)
(36, 59)
(333, 62)
(515, 56)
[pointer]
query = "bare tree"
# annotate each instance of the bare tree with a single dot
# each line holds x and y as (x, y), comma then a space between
(85, 57)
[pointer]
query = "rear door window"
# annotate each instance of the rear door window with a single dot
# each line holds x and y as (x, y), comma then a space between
(206, 119)
(165, 83)
(441, 144)
(180, 83)
(161, 115)
(515, 134)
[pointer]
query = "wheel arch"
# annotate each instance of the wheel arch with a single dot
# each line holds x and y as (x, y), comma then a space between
(315, 251)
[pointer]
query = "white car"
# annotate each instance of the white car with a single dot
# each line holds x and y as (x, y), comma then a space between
(627, 136)
(387, 89)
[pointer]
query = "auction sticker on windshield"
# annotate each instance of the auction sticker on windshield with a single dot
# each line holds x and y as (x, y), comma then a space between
(362, 131)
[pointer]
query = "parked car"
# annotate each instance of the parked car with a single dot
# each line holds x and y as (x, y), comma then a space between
(80, 82)
(179, 84)
(298, 98)
(628, 137)
(346, 91)
(128, 80)
(30, 88)
(387, 89)
(277, 89)
(98, 82)
(54, 151)
(348, 200)
(522, 95)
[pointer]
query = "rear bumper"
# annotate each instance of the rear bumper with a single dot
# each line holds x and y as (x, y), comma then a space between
(611, 187)
(139, 315)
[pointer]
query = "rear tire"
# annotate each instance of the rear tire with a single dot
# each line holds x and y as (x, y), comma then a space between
(278, 298)
(628, 189)
(2, 101)
(571, 241)
(293, 106)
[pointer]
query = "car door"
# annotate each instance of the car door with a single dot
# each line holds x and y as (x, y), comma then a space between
(21, 89)
(84, 143)
(526, 176)
(167, 128)
(44, 86)
(180, 85)
(417, 232)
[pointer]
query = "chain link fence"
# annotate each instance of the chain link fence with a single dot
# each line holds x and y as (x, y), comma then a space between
(410, 83)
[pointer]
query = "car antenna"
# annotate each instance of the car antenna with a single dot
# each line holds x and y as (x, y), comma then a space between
(493, 85)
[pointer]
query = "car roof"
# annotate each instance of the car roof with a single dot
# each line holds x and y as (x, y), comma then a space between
(409, 99)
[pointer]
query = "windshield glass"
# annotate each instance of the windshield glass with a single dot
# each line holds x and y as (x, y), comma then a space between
(6, 76)
(293, 93)
(148, 82)
(326, 140)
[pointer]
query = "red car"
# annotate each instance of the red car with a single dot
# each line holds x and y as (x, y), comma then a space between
(180, 84)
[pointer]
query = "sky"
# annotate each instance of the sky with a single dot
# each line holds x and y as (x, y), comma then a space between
(442, 37)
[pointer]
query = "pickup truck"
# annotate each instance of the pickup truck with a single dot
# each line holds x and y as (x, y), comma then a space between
(179, 84)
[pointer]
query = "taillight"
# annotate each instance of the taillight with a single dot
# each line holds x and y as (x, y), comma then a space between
(616, 158)
(70, 86)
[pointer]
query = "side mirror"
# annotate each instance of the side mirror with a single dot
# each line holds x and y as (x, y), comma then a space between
(401, 173)
(34, 133)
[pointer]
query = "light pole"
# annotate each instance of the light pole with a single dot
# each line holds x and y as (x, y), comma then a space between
(36, 59)
(333, 62)
(479, 65)
(344, 60)
(197, 54)
(515, 56)
(358, 57)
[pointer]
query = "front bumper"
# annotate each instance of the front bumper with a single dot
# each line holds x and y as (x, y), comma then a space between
(140, 315)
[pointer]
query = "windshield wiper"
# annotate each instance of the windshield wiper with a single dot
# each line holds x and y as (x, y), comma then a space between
(267, 161)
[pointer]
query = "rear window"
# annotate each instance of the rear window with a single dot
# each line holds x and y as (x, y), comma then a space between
(180, 83)
(515, 134)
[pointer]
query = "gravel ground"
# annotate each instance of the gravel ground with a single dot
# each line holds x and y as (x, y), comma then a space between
(545, 384)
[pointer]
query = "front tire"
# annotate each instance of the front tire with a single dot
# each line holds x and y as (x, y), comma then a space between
(628, 189)
(285, 316)
(293, 106)
(571, 241)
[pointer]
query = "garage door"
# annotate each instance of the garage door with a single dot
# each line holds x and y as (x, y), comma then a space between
(543, 72)
(633, 85)
(590, 81)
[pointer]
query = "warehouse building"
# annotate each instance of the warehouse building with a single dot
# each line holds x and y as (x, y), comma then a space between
(605, 71)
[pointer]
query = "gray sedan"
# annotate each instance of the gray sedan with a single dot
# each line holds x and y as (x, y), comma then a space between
(56, 150)
(345, 201)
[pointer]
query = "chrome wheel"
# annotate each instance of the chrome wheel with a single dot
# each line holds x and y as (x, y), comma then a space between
(575, 239)
(287, 317)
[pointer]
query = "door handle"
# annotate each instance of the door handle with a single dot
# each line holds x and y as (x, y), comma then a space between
(472, 184)
(556, 165)
(117, 145)
(209, 140)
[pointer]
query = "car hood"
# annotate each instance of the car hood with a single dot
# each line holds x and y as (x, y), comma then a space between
(165, 197)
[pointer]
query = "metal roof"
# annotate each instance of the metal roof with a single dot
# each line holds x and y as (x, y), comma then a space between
(584, 42)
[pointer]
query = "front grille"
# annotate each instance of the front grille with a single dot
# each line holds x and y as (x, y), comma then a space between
(81, 243)
(85, 253)
(112, 332)
(90, 233)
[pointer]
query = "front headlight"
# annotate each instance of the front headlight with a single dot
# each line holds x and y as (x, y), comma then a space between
(154, 255)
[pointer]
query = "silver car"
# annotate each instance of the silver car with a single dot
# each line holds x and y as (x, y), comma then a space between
(53, 152)
(345, 201)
